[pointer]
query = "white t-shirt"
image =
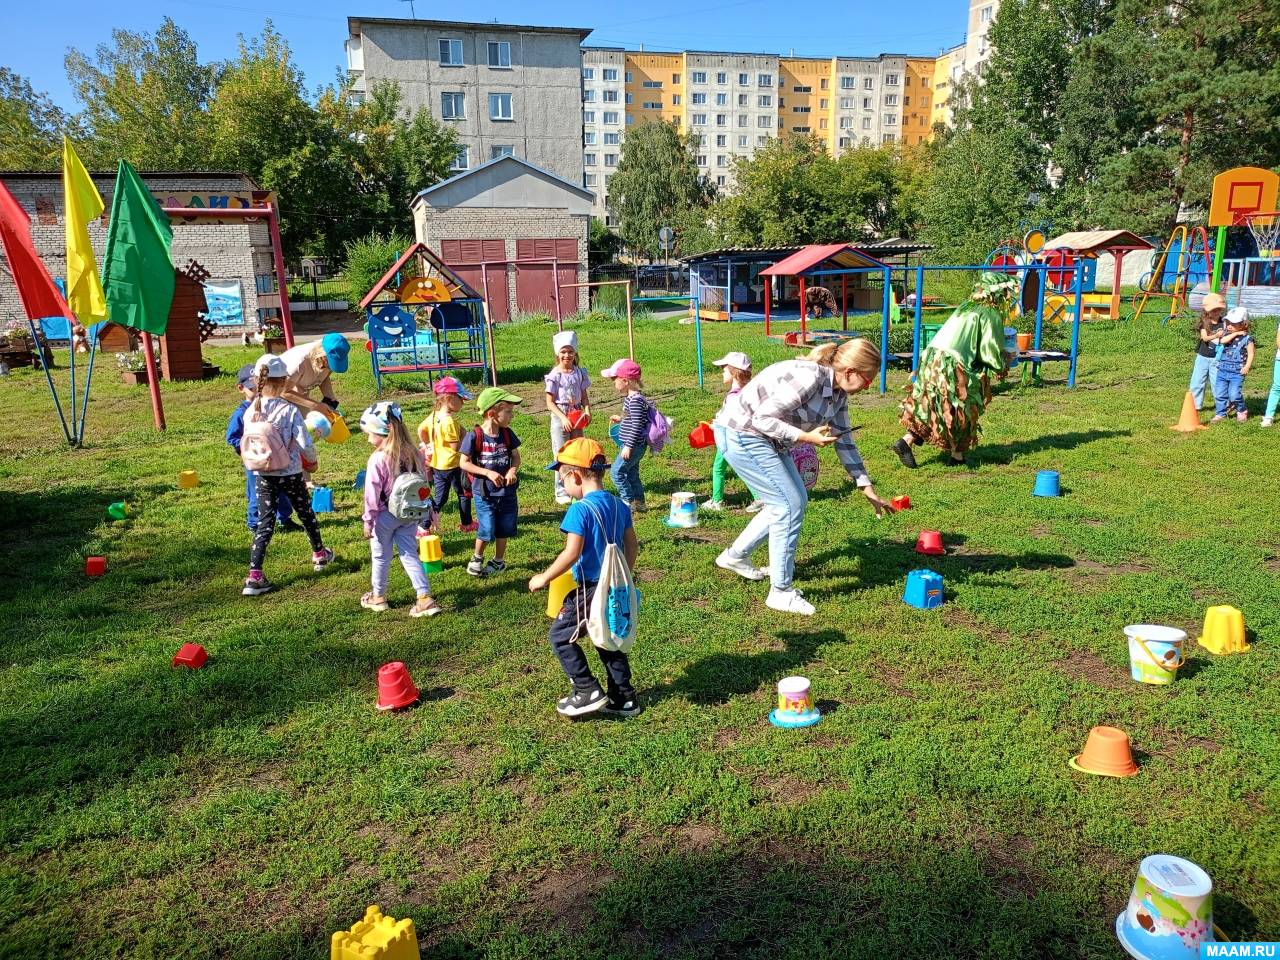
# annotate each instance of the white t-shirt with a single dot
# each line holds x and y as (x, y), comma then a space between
(302, 374)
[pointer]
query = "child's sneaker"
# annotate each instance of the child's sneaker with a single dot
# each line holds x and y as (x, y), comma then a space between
(1218, 418)
(788, 601)
(471, 527)
(376, 604)
(322, 558)
(580, 702)
(476, 567)
(743, 568)
(1266, 422)
(621, 708)
(716, 505)
(256, 584)
(1242, 416)
(425, 607)
(755, 506)
(494, 566)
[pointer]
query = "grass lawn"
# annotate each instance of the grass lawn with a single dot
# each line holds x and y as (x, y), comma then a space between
(251, 808)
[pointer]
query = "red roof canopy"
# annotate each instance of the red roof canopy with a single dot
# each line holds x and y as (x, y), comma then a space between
(430, 263)
(841, 256)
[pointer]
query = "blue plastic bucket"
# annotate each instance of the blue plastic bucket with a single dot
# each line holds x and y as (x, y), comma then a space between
(1048, 484)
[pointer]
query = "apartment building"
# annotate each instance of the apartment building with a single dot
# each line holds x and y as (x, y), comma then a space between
(505, 89)
(605, 114)
(976, 49)
(948, 69)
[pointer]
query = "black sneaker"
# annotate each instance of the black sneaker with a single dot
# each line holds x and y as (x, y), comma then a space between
(580, 702)
(903, 450)
(494, 566)
(951, 462)
(621, 708)
(289, 526)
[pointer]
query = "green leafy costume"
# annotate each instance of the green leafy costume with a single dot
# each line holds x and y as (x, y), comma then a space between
(951, 388)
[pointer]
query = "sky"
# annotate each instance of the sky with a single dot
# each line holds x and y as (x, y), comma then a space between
(316, 29)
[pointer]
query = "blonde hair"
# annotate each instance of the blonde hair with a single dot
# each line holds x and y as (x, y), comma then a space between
(397, 446)
(267, 386)
(740, 377)
(441, 399)
(860, 356)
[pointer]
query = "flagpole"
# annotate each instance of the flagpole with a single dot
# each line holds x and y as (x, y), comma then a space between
(48, 376)
(71, 342)
(84, 404)
(153, 380)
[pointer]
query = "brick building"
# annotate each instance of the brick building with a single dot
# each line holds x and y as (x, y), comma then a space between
(232, 253)
(514, 232)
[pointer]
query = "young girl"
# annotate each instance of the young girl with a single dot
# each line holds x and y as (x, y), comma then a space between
(566, 385)
(633, 431)
(1209, 337)
(393, 454)
(1234, 364)
(441, 436)
(272, 377)
(1273, 397)
(737, 373)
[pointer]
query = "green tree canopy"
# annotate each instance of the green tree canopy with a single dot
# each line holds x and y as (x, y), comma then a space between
(31, 126)
(657, 180)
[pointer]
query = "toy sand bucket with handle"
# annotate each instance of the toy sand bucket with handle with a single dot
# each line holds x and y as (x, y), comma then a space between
(1155, 652)
(339, 432)
(1170, 911)
(702, 436)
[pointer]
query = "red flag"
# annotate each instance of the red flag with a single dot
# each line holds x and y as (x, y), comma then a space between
(39, 294)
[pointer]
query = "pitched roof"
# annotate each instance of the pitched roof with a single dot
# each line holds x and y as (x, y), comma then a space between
(569, 184)
(1099, 241)
(420, 249)
(840, 255)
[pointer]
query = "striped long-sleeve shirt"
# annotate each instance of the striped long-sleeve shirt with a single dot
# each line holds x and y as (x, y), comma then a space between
(634, 425)
(786, 399)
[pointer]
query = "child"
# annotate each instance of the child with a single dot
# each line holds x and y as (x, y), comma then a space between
(271, 379)
(566, 385)
(595, 519)
(235, 430)
(441, 435)
(1209, 332)
(633, 431)
(1273, 398)
(1234, 364)
(393, 454)
(490, 453)
(737, 373)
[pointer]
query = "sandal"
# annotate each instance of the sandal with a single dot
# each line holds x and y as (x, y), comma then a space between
(427, 608)
(376, 604)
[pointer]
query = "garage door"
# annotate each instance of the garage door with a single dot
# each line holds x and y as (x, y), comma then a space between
(535, 284)
(464, 258)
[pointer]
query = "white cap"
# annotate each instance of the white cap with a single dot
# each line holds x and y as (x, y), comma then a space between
(734, 358)
(274, 365)
(1237, 315)
(565, 338)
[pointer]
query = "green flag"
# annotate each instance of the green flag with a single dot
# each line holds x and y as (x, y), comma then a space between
(136, 270)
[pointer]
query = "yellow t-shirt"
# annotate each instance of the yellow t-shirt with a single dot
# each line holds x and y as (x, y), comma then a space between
(442, 429)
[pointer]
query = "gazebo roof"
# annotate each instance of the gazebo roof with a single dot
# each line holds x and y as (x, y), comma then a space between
(461, 290)
(807, 259)
(1099, 241)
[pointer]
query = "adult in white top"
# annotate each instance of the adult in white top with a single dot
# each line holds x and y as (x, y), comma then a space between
(312, 365)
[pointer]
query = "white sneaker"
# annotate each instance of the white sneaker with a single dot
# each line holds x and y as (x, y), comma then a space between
(716, 505)
(755, 506)
(740, 567)
(789, 601)
(564, 499)
(1266, 422)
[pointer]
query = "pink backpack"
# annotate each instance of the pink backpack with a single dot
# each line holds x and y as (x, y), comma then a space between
(262, 447)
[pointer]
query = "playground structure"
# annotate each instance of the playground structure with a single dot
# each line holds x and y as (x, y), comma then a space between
(1175, 270)
(423, 318)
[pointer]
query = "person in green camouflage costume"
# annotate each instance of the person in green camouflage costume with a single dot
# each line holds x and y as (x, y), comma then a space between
(952, 386)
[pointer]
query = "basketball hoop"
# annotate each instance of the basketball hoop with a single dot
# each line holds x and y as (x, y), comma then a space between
(1265, 227)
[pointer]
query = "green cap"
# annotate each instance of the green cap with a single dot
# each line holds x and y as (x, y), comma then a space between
(491, 396)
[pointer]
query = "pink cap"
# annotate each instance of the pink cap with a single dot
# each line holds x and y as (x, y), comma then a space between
(627, 369)
(450, 385)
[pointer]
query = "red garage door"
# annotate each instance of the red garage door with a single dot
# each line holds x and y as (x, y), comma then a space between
(465, 257)
(535, 287)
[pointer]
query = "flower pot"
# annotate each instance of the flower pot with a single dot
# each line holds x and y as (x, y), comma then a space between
(133, 377)
(1024, 341)
(273, 344)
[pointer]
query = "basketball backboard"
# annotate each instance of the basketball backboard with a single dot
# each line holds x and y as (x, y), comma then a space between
(1241, 191)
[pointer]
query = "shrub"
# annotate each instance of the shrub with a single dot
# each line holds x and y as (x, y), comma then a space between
(367, 259)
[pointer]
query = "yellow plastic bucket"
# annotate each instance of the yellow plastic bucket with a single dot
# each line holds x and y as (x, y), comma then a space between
(430, 553)
(338, 431)
(557, 590)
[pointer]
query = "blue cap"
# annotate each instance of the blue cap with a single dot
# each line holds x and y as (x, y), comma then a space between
(246, 375)
(336, 349)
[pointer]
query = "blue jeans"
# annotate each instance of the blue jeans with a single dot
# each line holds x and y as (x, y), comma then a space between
(284, 509)
(559, 437)
(1228, 388)
(496, 516)
(1204, 372)
(1273, 398)
(772, 476)
(626, 474)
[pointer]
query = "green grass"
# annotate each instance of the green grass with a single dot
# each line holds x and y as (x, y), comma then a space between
(251, 808)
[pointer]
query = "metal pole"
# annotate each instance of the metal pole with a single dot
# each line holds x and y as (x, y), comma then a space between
(697, 339)
(768, 296)
(844, 299)
(277, 256)
(48, 376)
(555, 280)
(153, 380)
(1219, 250)
(631, 332)
(1035, 366)
(804, 314)
(71, 342)
(1075, 327)
(884, 332)
(493, 353)
(915, 337)
(88, 380)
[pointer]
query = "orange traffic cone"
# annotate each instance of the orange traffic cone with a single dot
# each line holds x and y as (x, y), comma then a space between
(1189, 422)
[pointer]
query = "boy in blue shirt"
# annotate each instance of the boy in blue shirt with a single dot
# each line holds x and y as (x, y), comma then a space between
(235, 432)
(595, 518)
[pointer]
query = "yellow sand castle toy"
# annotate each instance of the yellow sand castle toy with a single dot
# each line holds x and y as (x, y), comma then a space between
(376, 938)
(1223, 630)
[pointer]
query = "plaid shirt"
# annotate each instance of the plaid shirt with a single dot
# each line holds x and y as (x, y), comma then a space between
(788, 398)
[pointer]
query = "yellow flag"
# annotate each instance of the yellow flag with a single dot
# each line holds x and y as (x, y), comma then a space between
(82, 204)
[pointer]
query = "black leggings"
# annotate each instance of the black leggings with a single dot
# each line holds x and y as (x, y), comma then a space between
(294, 486)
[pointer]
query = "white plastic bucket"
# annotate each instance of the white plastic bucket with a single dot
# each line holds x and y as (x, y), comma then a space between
(1155, 652)
(684, 509)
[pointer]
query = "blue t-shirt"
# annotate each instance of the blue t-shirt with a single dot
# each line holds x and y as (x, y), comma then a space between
(590, 518)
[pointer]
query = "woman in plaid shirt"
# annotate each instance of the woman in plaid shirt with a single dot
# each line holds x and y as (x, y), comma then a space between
(796, 401)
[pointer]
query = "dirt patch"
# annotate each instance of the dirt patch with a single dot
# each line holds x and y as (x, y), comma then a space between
(699, 836)
(788, 790)
(1087, 665)
(1272, 565)
(649, 575)
(954, 615)
(892, 678)
(1039, 530)
(725, 738)
(1167, 742)
(561, 900)
(1006, 860)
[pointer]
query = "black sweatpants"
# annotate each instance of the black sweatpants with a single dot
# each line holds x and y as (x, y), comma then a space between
(568, 628)
(294, 486)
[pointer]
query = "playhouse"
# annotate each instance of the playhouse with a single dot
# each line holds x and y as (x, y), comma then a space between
(423, 318)
(1085, 247)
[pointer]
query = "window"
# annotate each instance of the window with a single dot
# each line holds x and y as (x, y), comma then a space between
(868, 83)
(722, 161)
(609, 96)
(612, 139)
(743, 120)
(461, 159)
(846, 142)
(588, 73)
(847, 83)
(499, 150)
(588, 116)
(675, 79)
(721, 140)
(890, 79)
(721, 180)
(500, 106)
(764, 100)
(866, 123)
(846, 103)
(630, 120)
(610, 159)
(804, 89)
(888, 138)
(765, 79)
(610, 116)
(906, 101)
(702, 140)
(722, 99)
(799, 109)
(628, 76)
(890, 119)
(891, 100)
(675, 99)
(924, 82)
(906, 83)
(609, 73)
(453, 106)
(867, 103)
(699, 76)
(823, 84)
(588, 159)
(742, 99)
(742, 143)
(782, 102)
(722, 120)
(764, 121)
(698, 99)
(924, 102)
(588, 96)
(799, 129)
(499, 53)
(984, 15)
(589, 139)
(590, 180)
(629, 98)
(699, 120)
(866, 141)
(822, 104)
(743, 79)
(762, 141)
(652, 84)
(451, 54)
(651, 105)
(702, 159)
(722, 78)
(846, 123)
